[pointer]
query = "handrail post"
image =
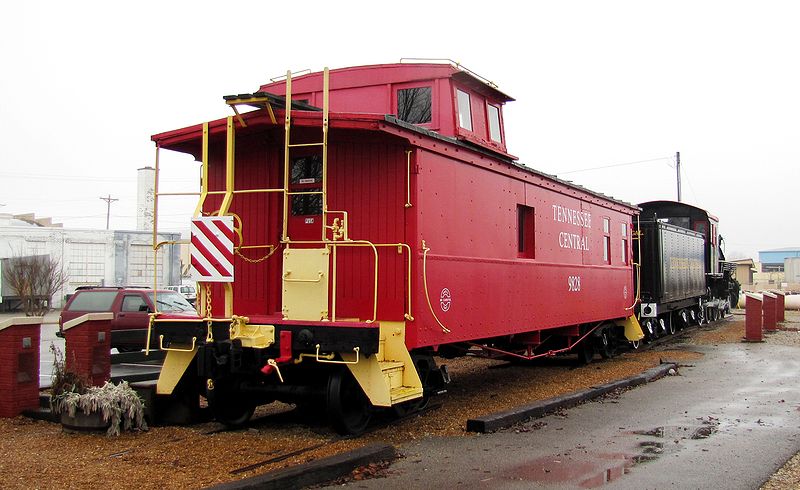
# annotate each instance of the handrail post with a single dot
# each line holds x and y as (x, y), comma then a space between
(286, 138)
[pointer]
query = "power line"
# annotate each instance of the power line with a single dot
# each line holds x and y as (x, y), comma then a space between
(616, 165)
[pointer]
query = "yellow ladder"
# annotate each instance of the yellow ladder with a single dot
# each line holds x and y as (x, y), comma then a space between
(287, 151)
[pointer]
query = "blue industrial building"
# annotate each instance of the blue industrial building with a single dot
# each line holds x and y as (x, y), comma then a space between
(773, 260)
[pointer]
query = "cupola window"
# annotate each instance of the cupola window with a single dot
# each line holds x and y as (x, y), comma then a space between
(494, 123)
(414, 105)
(464, 110)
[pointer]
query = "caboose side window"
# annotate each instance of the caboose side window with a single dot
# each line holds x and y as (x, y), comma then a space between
(606, 240)
(624, 243)
(494, 123)
(464, 110)
(306, 176)
(414, 105)
(525, 232)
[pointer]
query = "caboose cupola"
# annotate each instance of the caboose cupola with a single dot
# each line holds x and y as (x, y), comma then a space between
(442, 97)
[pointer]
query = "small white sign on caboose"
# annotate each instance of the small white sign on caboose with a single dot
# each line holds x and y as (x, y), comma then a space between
(212, 249)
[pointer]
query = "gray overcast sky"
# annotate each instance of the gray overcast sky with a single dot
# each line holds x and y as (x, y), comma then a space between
(84, 84)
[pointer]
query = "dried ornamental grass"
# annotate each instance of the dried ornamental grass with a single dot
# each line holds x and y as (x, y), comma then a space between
(119, 404)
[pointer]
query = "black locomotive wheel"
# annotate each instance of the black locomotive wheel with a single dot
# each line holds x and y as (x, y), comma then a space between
(683, 319)
(349, 409)
(649, 329)
(662, 327)
(701, 316)
(228, 405)
(671, 326)
(605, 345)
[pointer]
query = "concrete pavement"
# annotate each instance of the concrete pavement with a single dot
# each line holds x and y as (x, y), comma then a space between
(727, 421)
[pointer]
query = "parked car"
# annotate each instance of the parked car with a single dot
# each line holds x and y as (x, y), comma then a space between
(131, 307)
(186, 290)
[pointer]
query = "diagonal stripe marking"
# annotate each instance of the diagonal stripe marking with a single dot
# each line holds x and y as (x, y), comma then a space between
(201, 236)
(223, 246)
(199, 267)
(211, 258)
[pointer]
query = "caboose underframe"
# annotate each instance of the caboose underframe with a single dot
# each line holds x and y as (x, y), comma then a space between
(396, 243)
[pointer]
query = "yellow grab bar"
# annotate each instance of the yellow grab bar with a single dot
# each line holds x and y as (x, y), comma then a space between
(319, 359)
(286, 277)
(161, 345)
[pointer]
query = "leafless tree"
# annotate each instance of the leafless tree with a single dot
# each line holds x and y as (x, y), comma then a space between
(35, 278)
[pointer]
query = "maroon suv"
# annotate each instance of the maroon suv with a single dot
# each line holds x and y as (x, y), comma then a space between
(131, 307)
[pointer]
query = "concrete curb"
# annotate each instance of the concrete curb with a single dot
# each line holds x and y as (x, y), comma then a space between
(501, 420)
(315, 472)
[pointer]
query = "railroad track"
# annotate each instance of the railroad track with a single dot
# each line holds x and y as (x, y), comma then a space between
(680, 334)
(382, 423)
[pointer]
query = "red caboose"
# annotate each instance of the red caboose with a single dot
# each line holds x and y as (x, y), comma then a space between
(387, 226)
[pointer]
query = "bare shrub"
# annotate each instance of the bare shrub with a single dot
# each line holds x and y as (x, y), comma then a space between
(35, 278)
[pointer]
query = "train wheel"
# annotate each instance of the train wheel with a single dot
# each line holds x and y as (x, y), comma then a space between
(586, 352)
(349, 409)
(671, 326)
(605, 345)
(407, 408)
(684, 319)
(635, 344)
(701, 316)
(662, 327)
(425, 365)
(228, 405)
(649, 329)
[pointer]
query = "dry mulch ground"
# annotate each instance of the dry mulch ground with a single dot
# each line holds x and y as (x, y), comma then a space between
(38, 454)
(786, 478)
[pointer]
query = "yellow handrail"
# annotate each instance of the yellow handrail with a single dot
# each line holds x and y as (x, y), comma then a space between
(638, 266)
(365, 243)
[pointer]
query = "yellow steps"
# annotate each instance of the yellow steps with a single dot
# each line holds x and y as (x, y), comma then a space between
(403, 394)
(389, 377)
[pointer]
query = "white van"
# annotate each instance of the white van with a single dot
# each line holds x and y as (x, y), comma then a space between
(187, 291)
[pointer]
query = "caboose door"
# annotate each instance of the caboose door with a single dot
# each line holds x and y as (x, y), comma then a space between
(306, 259)
(305, 199)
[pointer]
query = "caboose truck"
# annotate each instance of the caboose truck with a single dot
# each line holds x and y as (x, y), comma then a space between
(412, 232)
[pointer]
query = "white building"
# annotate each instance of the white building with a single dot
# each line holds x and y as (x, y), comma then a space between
(92, 257)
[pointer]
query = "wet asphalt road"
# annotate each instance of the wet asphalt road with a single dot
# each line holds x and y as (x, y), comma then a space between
(727, 421)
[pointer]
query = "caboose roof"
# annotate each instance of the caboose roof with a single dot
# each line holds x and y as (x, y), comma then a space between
(189, 139)
(391, 73)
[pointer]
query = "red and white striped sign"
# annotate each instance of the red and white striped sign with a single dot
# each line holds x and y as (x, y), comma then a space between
(212, 249)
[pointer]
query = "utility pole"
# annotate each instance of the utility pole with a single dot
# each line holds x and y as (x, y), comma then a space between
(678, 166)
(109, 200)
